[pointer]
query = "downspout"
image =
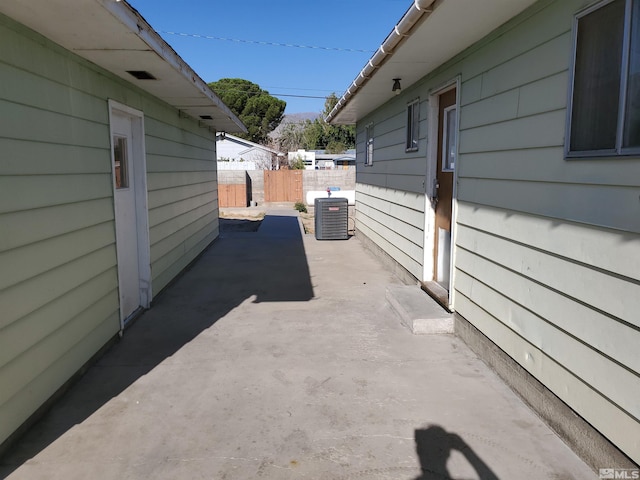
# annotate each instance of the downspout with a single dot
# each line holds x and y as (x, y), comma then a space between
(401, 30)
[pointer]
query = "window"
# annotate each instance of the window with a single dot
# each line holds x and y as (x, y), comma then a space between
(413, 120)
(368, 149)
(121, 161)
(449, 139)
(605, 104)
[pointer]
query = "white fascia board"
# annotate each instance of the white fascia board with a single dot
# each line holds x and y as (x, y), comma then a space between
(423, 40)
(114, 36)
(126, 14)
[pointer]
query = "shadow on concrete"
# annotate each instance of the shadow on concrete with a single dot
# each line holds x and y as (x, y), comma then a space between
(434, 446)
(239, 225)
(269, 265)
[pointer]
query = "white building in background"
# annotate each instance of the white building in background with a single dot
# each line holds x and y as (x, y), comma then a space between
(309, 158)
(320, 160)
(244, 154)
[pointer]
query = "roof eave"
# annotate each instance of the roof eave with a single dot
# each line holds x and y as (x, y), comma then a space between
(428, 35)
(132, 18)
(402, 29)
(114, 36)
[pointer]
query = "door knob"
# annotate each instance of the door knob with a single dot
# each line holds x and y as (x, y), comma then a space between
(434, 193)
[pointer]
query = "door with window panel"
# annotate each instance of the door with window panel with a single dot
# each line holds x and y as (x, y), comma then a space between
(446, 159)
(126, 215)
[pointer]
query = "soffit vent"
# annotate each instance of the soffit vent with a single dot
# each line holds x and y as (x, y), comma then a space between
(141, 74)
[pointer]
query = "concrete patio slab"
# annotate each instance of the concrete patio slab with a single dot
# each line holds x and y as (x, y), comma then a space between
(277, 356)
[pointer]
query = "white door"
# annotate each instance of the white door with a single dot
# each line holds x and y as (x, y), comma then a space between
(126, 212)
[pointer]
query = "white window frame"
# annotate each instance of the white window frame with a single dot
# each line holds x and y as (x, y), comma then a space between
(445, 139)
(413, 126)
(619, 150)
(368, 145)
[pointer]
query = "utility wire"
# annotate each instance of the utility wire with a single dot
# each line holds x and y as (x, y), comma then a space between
(272, 94)
(307, 89)
(295, 96)
(271, 44)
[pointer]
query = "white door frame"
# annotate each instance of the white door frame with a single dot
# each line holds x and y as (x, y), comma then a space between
(429, 212)
(139, 165)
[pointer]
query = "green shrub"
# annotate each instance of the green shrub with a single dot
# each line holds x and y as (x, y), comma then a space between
(297, 164)
(301, 207)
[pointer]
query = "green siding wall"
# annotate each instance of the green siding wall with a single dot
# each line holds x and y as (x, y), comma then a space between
(394, 220)
(58, 268)
(183, 196)
(547, 261)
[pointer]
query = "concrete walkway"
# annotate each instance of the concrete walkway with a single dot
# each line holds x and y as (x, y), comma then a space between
(277, 356)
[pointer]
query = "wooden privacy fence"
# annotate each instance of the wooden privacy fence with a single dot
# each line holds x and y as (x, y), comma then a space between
(232, 195)
(283, 186)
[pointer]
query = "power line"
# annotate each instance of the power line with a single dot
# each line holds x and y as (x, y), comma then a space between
(224, 90)
(295, 96)
(271, 44)
(307, 89)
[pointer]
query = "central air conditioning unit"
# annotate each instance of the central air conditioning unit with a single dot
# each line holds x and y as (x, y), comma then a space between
(331, 217)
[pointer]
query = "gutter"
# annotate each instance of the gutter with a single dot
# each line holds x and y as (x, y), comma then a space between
(130, 17)
(416, 12)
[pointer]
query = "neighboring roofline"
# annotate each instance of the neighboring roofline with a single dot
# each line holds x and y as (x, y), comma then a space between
(335, 156)
(266, 149)
(412, 16)
(249, 143)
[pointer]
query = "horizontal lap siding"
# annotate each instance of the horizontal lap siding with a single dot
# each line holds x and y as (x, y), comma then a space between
(597, 409)
(394, 221)
(183, 197)
(390, 193)
(547, 256)
(58, 273)
(58, 267)
(392, 166)
(547, 250)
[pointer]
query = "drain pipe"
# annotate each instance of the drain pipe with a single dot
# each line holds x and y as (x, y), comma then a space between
(401, 30)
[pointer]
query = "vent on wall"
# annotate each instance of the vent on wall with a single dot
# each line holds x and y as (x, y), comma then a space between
(331, 218)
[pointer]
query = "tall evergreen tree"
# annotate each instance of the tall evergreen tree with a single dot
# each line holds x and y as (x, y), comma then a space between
(259, 111)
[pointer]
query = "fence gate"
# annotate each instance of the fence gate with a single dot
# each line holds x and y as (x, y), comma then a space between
(232, 195)
(283, 186)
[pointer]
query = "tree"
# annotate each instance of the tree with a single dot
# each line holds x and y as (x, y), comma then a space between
(297, 163)
(332, 138)
(338, 138)
(318, 134)
(291, 138)
(259, 111)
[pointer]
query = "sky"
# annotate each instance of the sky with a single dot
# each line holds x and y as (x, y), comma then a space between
(291, 73)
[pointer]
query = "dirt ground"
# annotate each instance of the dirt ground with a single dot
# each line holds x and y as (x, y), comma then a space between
(308, 222)
(235, 221)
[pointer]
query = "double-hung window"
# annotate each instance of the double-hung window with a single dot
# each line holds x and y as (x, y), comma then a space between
(604, 113)
(413, 121)
(368, 148)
